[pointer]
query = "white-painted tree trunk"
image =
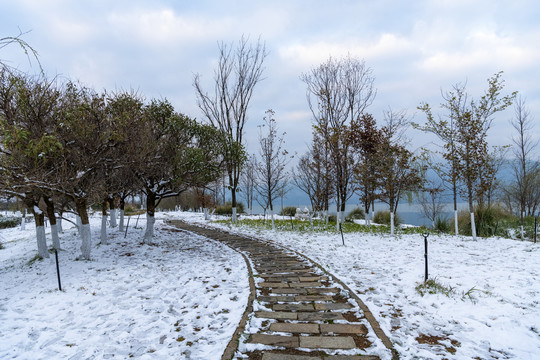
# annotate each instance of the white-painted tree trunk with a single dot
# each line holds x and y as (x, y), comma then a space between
(41, 242)
(23, 223)
(121, 222)
(366, 219)
(456, 229)
(391, 223)
(86, 237)
(113, 218)
(79, 224)
(54, 236)
(473, 226)
(206, 213)
(149, 233)
(522, 233)
(234, 215)
(103, 235)
(272, 216)
(59, 225)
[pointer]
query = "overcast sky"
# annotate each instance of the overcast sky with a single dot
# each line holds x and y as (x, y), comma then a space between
(415, 49)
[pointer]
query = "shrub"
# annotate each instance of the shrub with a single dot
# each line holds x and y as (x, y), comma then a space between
(432, 286)
(383, 217)
(443, 225)
(227, 209)
(487, 221)
(288, 211)
(332, 218)
(356, 214)
(9, 222)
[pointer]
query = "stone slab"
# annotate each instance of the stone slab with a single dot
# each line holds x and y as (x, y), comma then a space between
(275, 356)
(306, 284)
(352, 357)
(319, 316)
(313, 298)
(327, 342)
(333, 306)
(323, 290)
(275, 299)
(276, 315)
(295, 328)
(274, 340)
(288, 291)
(313, 278)
(293, 307)
(272, 285)
(344, 329)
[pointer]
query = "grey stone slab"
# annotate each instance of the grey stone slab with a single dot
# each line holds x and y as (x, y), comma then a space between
(344, 329)
(295, 328)
(276, 315)
(313, 298)
(272, 285)
(323, 290)
(281, 279)
(319, 316)
(306, 284)
(313, 278)
(333, 306)
(288, 291)
(275, 299)
(327, 342)
(293, 307)
(275, 340)
(276, 356)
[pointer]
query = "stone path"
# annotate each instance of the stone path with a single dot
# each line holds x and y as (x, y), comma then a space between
(299, 311)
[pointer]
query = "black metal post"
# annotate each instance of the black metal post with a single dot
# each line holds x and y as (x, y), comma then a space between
(127, 226)
(57, 269)
(341, 230)
(425, 235)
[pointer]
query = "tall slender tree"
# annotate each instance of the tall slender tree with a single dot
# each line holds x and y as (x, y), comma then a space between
(239, 70)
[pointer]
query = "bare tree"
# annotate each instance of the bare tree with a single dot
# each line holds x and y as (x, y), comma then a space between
(238, 71)
(526, 168)
(342, 90)
(248, 180)
(270, 171)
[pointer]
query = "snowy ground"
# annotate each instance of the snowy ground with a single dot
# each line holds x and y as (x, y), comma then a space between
(180, 298)
(491, 312)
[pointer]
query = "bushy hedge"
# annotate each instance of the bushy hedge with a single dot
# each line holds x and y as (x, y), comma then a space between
(492, 220)
(9, 222)
(227, 209)
(383, 217)
(288, 211)
(356, 214)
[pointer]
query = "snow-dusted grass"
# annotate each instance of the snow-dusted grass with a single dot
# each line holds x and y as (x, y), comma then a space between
(487, 306)
(180, 298)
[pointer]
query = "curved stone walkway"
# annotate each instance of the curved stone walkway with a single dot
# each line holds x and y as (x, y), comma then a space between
(300, 312)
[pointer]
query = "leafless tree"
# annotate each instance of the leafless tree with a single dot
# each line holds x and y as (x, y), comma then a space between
(238, 72)
(248, 179)
(271, 169)
(338, 91)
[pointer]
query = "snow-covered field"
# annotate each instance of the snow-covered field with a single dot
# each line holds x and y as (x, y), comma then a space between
(492, 310)
(180, 298)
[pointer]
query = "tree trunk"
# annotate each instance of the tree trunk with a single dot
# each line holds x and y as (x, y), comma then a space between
(52, 220)
(112, 212)
(39, 218)
(23, 219)
(103, 236)
(392, 223)
(473, 226)
(86, 235)
(150, 220)
(122, 214)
